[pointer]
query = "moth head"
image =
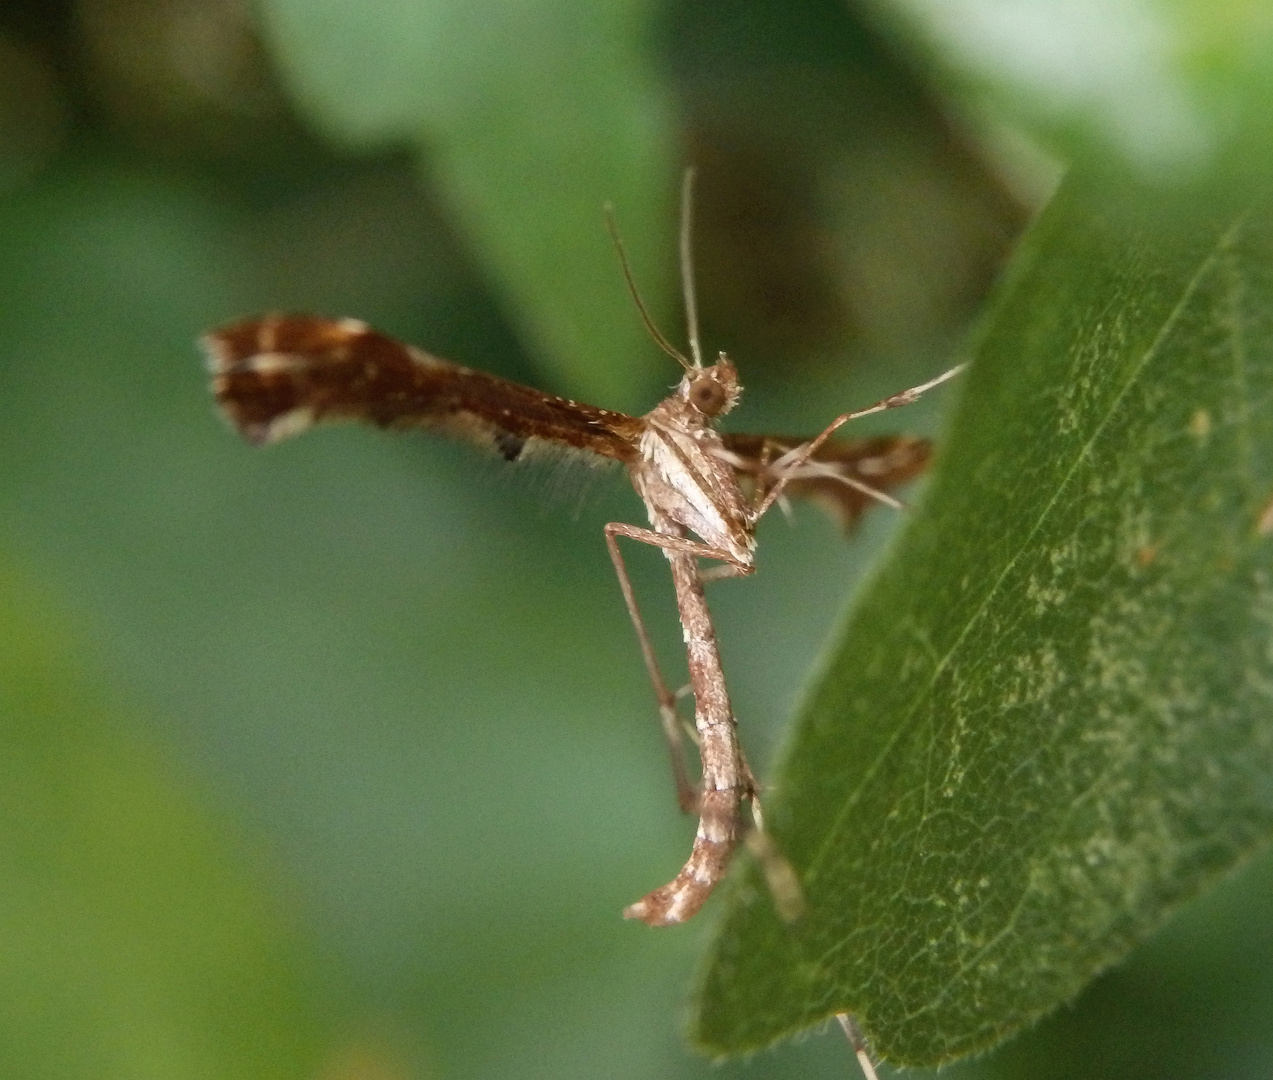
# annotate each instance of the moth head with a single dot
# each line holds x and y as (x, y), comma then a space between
(714, 390)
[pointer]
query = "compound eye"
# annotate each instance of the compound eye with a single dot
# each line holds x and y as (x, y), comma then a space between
(707, 396)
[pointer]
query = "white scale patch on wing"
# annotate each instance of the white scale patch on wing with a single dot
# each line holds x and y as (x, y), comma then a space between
(287, 424)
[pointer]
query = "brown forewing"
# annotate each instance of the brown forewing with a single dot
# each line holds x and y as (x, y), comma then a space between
(275, 376)
(881, 462)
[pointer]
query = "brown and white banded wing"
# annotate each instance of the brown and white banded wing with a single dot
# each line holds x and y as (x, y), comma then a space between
(842, 472)
(278, 375)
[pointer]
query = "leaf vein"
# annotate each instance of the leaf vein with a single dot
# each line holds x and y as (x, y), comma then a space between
(1206, 265)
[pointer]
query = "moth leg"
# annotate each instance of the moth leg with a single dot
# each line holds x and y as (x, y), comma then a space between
(675, 543)
(691, 732)
(687, 794)
(780, 875)
(787, 465)
(720, 573)
(766, 477)
(818, 470)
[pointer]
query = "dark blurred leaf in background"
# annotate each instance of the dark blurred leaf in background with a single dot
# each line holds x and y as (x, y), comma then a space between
(849, 214)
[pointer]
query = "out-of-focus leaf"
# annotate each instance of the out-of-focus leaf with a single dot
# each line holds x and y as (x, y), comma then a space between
(532, 116)
(1164, 85)
(1049, 721)
(134, 943)
(840, 216)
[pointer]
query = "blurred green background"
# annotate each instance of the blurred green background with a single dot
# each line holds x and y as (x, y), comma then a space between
(338, 760)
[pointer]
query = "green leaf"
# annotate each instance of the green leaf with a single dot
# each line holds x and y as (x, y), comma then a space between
(1165, 86)
(533, 116)
(135, 944)
(1049, 721)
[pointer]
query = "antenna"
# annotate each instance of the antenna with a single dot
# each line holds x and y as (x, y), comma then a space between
(687, 265)
(657, 334)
